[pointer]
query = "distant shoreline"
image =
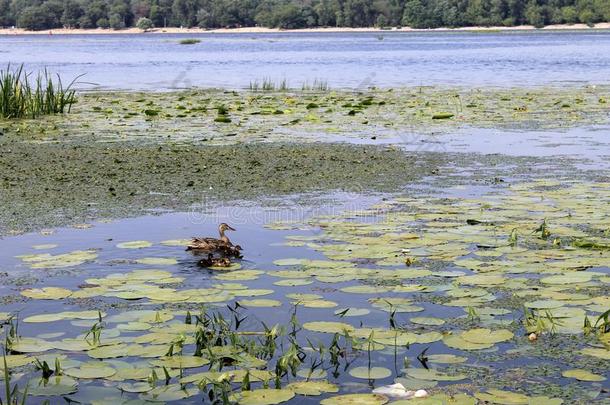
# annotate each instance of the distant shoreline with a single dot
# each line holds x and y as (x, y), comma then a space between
(261, 30)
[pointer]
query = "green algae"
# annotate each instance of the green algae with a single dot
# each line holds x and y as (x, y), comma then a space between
(45, 184)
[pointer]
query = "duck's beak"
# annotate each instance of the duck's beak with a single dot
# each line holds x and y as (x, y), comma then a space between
(230, 228)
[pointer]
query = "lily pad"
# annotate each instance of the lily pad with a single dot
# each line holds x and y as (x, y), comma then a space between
(47, 293)
(421, 320)
(582, 375)
(486, 336)
(90, 371)
(503, 397)
(433, 375)
(136, 244)
(260, 303)
(356, 399)
(373, 373)
(264, 396)
(312, 387)
(328, 327)
(53, 386)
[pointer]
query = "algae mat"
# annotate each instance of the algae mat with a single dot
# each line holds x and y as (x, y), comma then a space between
(48, 185)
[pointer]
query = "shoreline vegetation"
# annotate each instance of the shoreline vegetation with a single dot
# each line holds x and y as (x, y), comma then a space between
(264, 30)
(124, 154)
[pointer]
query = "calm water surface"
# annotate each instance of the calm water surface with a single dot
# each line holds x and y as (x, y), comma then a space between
(352, 60)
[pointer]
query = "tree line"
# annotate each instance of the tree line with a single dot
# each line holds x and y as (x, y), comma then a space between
(118, 14)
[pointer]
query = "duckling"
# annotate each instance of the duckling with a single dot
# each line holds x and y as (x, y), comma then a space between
(221, 245)
(212, 261)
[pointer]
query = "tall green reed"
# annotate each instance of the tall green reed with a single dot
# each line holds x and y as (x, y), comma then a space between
(21, 97)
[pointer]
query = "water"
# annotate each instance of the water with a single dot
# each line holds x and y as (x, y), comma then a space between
(344, 60)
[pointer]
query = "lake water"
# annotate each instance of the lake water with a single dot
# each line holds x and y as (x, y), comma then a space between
(352, 60)
(440, 259)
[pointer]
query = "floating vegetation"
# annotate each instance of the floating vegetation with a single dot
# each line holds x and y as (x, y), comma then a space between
(189, 41)
(499, 297)
(451, 323)
(442, 116)
(23, 97)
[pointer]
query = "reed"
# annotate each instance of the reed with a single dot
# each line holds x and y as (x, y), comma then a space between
(22, 98)
(317, 85)
(269, 85)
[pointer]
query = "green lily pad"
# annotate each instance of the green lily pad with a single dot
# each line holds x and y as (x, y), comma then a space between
(372, 373)
(600, 353)
(90, 371)
(328, 327)
(424, 320)
(136, 244)
(503, 397)
(544, 304)
(157, 261)
(582, 375)
(433, 375)
(47, 293)
(264, 396)
(180, 362)
(486, 336)
(455, 341)
(312, 387)
(352, 312)
(356, 399)
(53, 386)
(260, 303)
(166, 393)
(440, 399)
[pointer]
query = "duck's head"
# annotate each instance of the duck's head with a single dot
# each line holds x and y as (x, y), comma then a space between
(225, 227)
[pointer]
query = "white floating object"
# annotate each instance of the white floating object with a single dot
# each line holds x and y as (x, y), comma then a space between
(395, 390)
(420, 393)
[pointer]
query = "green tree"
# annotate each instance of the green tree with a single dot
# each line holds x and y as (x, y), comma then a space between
(414, 15)
(102, 23)
(122, 9)
(35, 18)
(71, 14)
(185, 12)
(326, 11)
(569, 14)
(115, 21)
(161, 12)
(7, 19)
(95, 11)
(145, 24)
(533, 14)
(603, 9)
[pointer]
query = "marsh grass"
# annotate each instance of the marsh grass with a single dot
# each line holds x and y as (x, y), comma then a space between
(189, 41)
(316, 85)
(21, 97)
(266, 84)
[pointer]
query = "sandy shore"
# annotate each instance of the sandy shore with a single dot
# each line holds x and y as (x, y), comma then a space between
(259, 30)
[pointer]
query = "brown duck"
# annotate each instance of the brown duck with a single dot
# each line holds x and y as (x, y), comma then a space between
(212, 261)
(212, 245)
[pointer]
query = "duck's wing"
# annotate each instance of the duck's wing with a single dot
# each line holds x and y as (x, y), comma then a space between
(204, 244)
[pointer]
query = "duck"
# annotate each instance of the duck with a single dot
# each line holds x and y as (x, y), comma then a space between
(212, 261)
(213, 245)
